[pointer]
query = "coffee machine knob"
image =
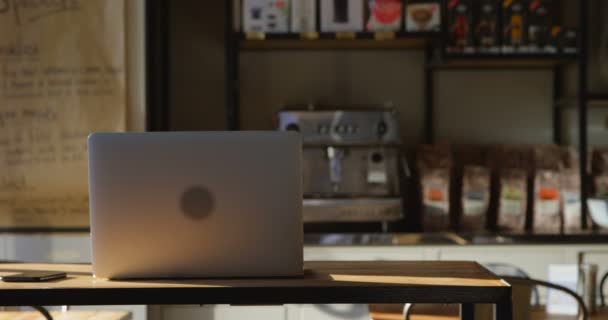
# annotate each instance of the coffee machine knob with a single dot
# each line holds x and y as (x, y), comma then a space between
(381, 129)
(292, 127)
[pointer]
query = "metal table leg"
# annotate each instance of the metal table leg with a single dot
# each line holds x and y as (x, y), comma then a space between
(467, 311)
(504, 309)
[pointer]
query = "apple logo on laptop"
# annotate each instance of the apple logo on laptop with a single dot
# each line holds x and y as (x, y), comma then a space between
(197, 202)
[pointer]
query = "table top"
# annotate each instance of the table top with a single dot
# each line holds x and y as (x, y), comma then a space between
(452, 239)
(322, 282)
(68, 315)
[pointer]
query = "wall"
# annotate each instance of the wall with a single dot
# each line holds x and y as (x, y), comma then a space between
(272, 79)
(488, 106)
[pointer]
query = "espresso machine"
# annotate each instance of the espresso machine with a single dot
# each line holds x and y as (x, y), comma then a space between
(352, 166)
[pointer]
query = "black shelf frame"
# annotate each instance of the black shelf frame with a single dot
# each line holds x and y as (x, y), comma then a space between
(439, 61)
(583, 91)
(556, 112)
(565, 57)
(232, 62)
(336, 36)
(158, 64)
(597, 96)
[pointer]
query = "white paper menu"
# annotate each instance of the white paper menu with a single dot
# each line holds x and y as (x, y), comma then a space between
(62, 76)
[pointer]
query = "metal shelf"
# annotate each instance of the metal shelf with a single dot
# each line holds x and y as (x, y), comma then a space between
(334, 44)
(566, 57)
(498, 63)
(336, 41)
(597, 103)
(597, 97)
(503, 61)
(593, 102)
(339, 35)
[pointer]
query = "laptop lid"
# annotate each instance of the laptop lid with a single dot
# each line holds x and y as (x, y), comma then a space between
(195, 204)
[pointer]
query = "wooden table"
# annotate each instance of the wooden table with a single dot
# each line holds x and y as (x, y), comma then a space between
(68, 315)
(465, 283)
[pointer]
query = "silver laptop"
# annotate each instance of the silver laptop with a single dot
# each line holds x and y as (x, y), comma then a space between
(195, 204)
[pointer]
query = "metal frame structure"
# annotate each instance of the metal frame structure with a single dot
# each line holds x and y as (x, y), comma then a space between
(158, 64)
(232, 67)
(583, 92)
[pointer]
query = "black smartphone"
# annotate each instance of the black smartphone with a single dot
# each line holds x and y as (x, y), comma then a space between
(34, 276)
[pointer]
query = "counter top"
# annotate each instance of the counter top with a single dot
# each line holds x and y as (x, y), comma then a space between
(391, 239)
(434, 239)
(67, 315)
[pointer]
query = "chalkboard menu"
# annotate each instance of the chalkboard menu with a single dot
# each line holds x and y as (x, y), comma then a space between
(62, 76)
